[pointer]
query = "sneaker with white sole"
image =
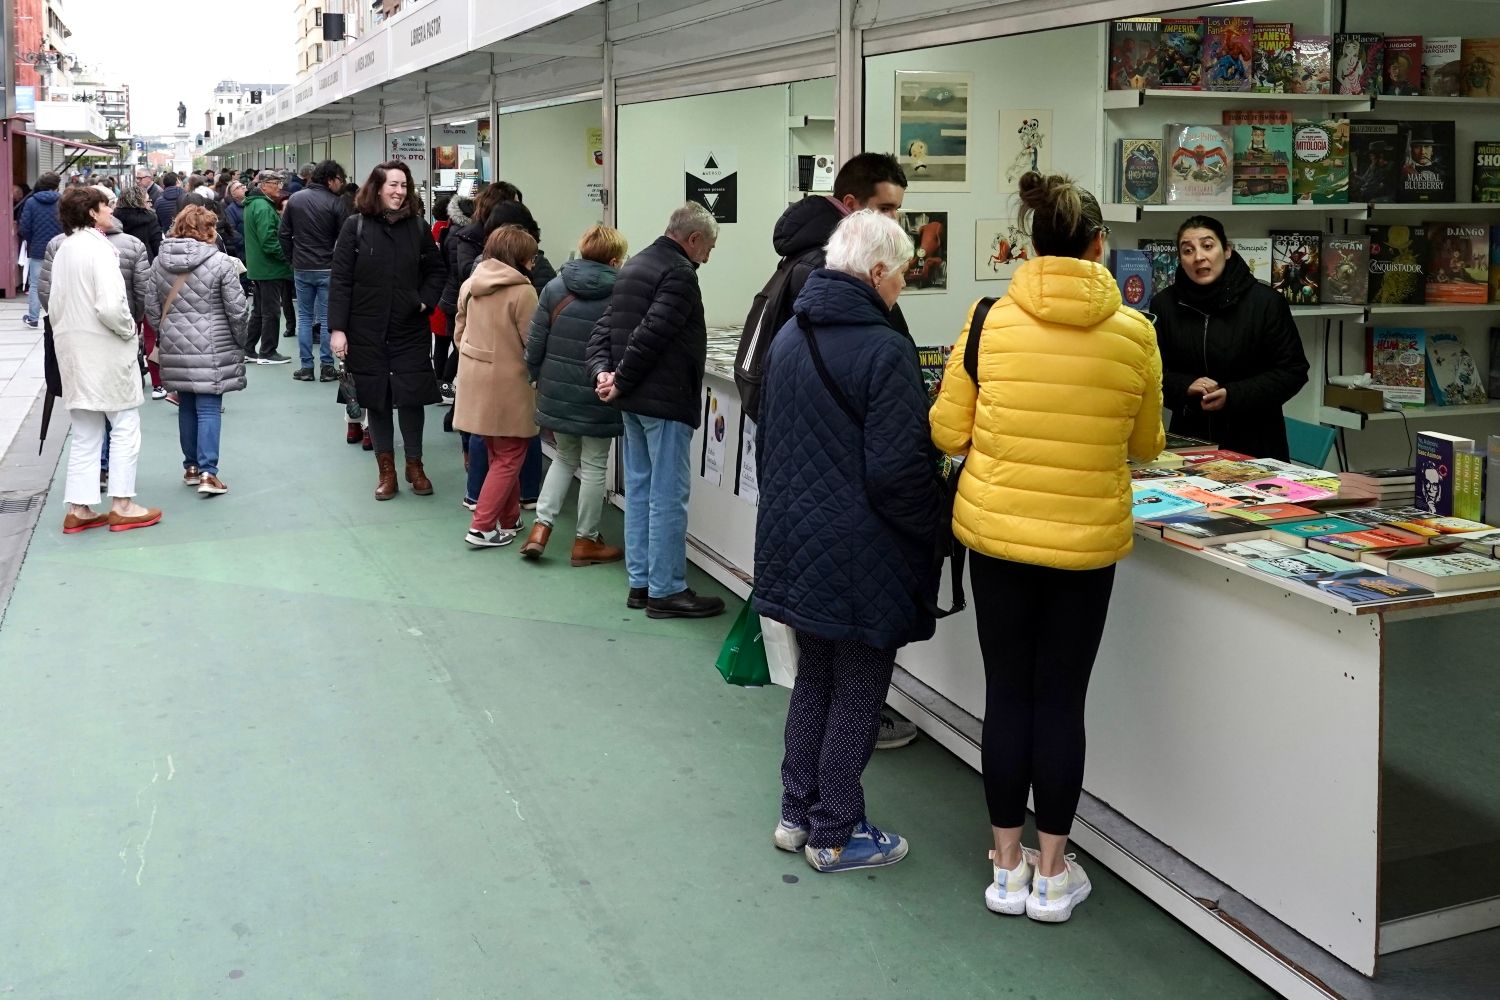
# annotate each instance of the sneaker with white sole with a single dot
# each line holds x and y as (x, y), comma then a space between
(1053, 898)
(1009, 889)
(159, 392)
(490, 539)
(867, 847)
(789, 837)
(468, 504)
(894, 731)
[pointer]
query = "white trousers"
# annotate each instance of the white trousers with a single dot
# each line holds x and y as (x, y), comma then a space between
(87, 447)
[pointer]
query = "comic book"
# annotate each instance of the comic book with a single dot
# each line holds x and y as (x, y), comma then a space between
(1179, 54)
(1442, 66)
(933, 360)
(1274, 61)
(1486, 171)
(1200, 164)
(1427, 168)
(1480, 67)
(1320, 162)
(1228, 47)
(1295, 270)
(1346, 269)
(1132, 53)
(1163, 257)
(1312, 66)
(1139, 179)
(1398, 368)
(1257, 116)
(1376, 150)
(1358, 62)
(1403, 66)
(1452, 372)
(1397, 256)
(1132, 271)
(1255, 251)
(1458, 263)
(1262, 164)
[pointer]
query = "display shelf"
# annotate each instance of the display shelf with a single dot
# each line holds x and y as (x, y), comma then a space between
(1491, 103)
(1372, 313)
(1435, 209)
(1329, 311)
(1117, 212)
(1351, 420)
(1123, 100)
(804, 121)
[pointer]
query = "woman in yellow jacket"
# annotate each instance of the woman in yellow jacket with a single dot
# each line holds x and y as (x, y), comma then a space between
(1069, 387)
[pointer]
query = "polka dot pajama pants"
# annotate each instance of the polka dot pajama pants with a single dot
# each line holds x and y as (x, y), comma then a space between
(831, 725)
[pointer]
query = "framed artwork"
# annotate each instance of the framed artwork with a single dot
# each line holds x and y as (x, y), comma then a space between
(932, 129)
(999, 248)
(1025, 144)
(928, 270)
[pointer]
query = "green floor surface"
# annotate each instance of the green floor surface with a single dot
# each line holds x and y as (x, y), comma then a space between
(295, 743)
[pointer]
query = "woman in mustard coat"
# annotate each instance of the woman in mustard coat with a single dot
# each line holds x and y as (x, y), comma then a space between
(1069, 388)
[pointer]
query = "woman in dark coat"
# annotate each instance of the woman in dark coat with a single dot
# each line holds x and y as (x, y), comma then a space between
(138, 218)
(386, 278)
(1230, 352)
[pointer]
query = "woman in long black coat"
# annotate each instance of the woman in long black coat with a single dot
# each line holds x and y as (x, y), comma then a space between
(387, 277)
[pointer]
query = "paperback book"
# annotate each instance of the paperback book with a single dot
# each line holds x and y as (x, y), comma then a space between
(1312, 65)
(1228, 471)
(1272, 513)
(1486, 543)
(1298, 532)
(1295, 264)
(1301, 563)
(1452, 373)
(1139, 172)
(1256, 116)
(1346, 269)
(1180, 53)
(1274, 62)
(1132, 271)
(1132, 53)
(1320, 162)
(1398, 364)
(1452, 571)
(1442, 66)
(1427, 167)
(1259, 548)
(1289, 490)
(1480, 58)
(1397, 255)
(1163, 257)
(1361, 586)
(1228, 47)
(1403, 66)
(1468, 484)
(1358, 62)
(1376, 150)
(1353, 544)
(1435, 462)
(1262, 165)
(1202, 532)
(1420, 522)
(1255, 251)
(1458, 263)
(1486, 172)
(1151, 503)
(1200, 165)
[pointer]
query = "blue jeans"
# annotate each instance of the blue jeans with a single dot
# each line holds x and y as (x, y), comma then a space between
(33, 290)
(312, 307)
(658, 478)
(479, 466)
(198, 425)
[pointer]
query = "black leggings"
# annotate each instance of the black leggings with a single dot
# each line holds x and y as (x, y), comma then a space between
(440, 348)
(1039, 631)
(383, 430)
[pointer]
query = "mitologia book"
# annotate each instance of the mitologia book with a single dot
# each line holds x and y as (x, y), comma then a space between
(1358, 62)
(1398, 364)
(1255, 251)
(1397, 255)
(1179, 54)
(1452, 372)
(1295, 269)
(1376, 150)
(1312, 65)
(1274, 62)
(1200, 165)
(1442, 66)
(1346, 269)
(1458, 263)
(1486, 171)
(1132, 271)
(1427, 169)
(1228, 46)
(1320, 162)
(1480, 67)
(1139, 172)
(1163, 257)
(1132, 53)
(1403, 66)
(1262, 165)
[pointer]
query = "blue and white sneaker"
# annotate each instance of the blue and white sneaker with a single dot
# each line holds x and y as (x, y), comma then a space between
(1052, 899)
(868, 847)
(789, 837)
(1008, 890)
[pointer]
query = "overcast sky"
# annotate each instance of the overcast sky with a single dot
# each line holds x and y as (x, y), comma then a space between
(165, 62)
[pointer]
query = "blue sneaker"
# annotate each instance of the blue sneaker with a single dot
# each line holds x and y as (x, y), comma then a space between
(868, 847)
(788, 837)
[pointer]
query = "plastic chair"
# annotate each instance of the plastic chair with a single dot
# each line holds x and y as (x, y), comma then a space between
(1309, 443)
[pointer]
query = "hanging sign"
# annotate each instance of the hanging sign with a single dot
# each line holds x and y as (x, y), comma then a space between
(713, 180)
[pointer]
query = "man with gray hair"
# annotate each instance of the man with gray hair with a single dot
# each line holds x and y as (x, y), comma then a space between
(646, 356)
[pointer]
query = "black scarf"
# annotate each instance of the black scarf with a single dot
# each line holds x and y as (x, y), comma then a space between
(1220, 295)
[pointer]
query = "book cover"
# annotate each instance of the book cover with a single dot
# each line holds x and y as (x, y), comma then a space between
(1272, 513)
(1398, 364)
(1140, 172)
(1376, 150)
(1376, 517)
(1442, 66)
(1312, 65)
(1290, 490)
(1495, 263)
(1255, 251)
(1428, 165)
(1452, 373)
(1397, 256)
(1132, 53)
(1353, 544)
(1147, 472)
(1200, 165)
(1458, 263)
(1179, 53)
(1480, 67)
(1403, 66)
(1486, 172)
(1435, 462)
(1228, 472)
(1187, 443)
(1420, 522)
(1358, 62)
(1451, 571)
(1256, 116)
(1211, 501)
(1361, 586)
(1274, 62)
(1301, 563)
(1163, 257)
(1486, 543)
(1257, 548)
(1298, 532)
(1320, 162)
(1202, 532)
(1228, 48)
(933, 360)
(1468, 485)
(1150, 503)
(1220, 454)
(1262, 165)
(1346, 269)
(1132, 271)
(1295, 267)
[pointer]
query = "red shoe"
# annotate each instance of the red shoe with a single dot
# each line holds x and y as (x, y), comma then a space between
(354, 434)
(366, 443)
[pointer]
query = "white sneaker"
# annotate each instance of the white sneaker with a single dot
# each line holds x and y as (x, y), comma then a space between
(1008, 890)
(490, 539)
(1052, 899)
(788, 837)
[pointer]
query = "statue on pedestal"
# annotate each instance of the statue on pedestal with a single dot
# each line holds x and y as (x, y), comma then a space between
(181, 115)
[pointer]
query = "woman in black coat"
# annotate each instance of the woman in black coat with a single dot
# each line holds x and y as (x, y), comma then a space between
(1230, 351)
(386, 278)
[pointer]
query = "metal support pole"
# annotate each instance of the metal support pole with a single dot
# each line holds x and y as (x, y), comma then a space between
(849, 120)
(608, 121)
(494, 125)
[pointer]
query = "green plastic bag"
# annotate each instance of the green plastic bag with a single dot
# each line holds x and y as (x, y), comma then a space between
(742, 660)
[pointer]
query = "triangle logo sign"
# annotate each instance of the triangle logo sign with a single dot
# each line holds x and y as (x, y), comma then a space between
(712, 163)
(712, 198)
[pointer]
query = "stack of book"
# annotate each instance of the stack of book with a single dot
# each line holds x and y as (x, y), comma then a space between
(1387, 487)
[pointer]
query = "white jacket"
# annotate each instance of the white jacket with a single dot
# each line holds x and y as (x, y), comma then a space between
(93, 331)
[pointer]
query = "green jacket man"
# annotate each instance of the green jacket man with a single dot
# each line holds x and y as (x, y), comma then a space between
(264, 260)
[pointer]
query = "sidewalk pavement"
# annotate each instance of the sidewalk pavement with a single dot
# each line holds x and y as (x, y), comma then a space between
(21, 376)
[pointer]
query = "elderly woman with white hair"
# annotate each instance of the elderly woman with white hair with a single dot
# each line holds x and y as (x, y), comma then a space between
(850, 504)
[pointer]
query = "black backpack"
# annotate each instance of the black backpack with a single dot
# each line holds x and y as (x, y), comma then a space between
(769, 311)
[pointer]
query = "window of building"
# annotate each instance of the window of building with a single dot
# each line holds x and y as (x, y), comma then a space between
(317, 17)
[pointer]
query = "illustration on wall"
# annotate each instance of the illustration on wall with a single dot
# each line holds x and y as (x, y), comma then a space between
(594, 141)
(999, 248)
(932, 129)
(712, 180)
(928, 271)
(1025, 144)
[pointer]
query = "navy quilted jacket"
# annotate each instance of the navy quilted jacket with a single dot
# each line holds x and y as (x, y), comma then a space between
(848, 515)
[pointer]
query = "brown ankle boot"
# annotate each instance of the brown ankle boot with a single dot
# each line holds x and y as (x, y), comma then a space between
(536, 541)
(420, 484)
(593, 552)
(387, 487)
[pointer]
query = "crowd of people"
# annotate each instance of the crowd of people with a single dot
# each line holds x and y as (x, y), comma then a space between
(1049, 392)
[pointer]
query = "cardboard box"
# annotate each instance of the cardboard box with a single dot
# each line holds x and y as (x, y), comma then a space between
(1354, 398)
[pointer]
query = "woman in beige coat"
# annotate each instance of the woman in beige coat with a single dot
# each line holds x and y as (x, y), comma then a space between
(495, 397)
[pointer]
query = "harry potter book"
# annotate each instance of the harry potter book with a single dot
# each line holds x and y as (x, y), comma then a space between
(1403, 66)
(1199, 164)
(1132, 53)
(1397, 255)
(1312, 65)
(1274, 61)
(1179, 53)
(1295, 270)
(1228, 47)
(1140, 172)
(1346, 269)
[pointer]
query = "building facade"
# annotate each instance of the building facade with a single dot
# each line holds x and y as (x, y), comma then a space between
(233, 100)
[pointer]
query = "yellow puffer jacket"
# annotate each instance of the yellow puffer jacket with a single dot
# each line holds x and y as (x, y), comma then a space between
(1069, 384)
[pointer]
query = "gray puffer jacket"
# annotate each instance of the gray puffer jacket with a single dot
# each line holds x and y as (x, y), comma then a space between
(201, 339)
(135, 267)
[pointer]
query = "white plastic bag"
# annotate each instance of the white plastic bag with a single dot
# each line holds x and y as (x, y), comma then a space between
(781, 652)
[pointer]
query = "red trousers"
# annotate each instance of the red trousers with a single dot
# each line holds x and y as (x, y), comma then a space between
(151, 366)
(500, 496)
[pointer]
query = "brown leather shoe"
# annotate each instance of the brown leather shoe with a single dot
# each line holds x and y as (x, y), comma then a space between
(386, 488)
(420, 484)
(120, 522)
(73, 524)
(355, 433)
(593, 552)
(536, 541)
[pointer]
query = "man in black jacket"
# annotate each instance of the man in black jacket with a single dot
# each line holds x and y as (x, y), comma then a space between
(310, 225)
(646, 356)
